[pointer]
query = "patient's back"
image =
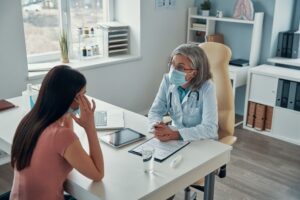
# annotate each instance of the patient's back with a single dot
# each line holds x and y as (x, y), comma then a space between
(44, 177)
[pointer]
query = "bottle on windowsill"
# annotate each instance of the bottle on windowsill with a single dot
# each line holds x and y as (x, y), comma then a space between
(84, 52)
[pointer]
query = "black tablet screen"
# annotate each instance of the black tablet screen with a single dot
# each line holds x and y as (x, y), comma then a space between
(122, 137)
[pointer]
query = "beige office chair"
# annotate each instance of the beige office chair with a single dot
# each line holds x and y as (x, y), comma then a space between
(218, 57)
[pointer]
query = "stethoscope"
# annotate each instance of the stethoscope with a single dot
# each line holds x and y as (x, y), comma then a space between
(171, 94)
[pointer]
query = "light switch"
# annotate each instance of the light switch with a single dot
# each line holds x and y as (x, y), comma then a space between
(160, 3)
(171, 3)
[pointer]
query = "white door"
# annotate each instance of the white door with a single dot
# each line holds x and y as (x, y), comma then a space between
(263, 89)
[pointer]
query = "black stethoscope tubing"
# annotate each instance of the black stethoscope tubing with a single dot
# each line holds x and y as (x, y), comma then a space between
(171, 94)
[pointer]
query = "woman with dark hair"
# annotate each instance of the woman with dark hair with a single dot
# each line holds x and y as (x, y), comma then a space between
(188, 95)
(45, 148)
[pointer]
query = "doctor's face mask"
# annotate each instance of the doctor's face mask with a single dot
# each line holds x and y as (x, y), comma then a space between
(177, 77)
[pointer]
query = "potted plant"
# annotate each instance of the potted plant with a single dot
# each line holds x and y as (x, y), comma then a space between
(205, 7)
(64, 48)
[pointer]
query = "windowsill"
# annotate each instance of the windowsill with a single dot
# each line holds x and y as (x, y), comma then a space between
(38, 70)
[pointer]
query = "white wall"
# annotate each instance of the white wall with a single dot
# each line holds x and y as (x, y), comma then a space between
(13, 63)
(131, 85)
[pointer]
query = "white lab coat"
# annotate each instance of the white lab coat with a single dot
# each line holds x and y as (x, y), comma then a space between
(194, 119)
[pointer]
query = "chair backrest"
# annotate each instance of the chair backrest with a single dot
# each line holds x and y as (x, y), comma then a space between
(218, 57)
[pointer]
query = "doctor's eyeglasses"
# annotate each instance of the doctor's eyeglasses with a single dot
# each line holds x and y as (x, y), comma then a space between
(182, 69)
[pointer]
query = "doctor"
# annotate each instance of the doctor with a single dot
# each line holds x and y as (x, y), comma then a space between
(188, 95)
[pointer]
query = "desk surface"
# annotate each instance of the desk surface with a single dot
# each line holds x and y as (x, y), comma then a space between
(124, 175)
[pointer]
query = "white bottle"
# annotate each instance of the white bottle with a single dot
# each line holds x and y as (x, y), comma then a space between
(29, 97)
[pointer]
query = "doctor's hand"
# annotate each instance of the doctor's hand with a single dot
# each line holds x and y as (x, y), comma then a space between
(86, 119)
(164, 133)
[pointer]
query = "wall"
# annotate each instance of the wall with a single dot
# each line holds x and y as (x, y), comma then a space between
(131, 85)
(134, 85)
(13, 68)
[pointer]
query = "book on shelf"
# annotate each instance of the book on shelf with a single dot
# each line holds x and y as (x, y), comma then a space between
(279, 92)
(197, 25)
(297, 98)
(285, 93)
(292, 95)
(269, 117)
(279, 44)
(260, 117)
(239, 62)
(251, 114)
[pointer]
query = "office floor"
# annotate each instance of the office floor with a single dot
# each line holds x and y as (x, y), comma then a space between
(261, 168)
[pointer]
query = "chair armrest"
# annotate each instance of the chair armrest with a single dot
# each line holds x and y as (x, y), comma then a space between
(230, 140)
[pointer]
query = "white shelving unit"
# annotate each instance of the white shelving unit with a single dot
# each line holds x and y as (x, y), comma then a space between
(210, 22)
(262, 86)
(116, 38)
(285, 61)
(238, 75)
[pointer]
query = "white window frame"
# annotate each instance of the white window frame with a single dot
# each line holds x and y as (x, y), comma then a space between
(65, 25)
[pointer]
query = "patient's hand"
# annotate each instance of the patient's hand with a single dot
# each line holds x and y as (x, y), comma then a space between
(164, 133)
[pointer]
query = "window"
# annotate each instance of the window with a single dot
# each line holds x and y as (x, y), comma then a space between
(44, 20)
(41, 26)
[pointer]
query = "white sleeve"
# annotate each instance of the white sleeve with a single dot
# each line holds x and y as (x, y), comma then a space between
(159, 106)
(208, 129)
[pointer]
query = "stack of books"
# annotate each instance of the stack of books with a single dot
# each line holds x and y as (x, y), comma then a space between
(239, 62)
(259, 116)
(288, 44)
(200, 27)
(288, 94)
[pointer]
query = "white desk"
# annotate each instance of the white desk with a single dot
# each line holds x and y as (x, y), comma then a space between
(124, 175)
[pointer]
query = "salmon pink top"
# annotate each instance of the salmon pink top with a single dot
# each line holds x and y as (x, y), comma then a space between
(48, 170)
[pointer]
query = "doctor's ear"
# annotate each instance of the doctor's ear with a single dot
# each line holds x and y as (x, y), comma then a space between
(195, 73)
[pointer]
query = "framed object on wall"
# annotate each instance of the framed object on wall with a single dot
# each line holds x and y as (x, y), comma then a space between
(243, 9)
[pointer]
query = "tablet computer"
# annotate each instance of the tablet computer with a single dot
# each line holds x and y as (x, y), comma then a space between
(122, 137)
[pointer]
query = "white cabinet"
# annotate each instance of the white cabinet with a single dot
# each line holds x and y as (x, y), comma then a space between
(262, 88)
(286, 124)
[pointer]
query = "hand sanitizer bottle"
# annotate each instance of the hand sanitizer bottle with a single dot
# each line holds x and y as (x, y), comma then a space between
(29, 97)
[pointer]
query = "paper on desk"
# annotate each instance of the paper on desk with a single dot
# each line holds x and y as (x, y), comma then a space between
(163, 150)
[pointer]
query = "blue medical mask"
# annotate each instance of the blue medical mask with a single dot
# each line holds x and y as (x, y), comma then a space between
(177, 77)
(74, 111)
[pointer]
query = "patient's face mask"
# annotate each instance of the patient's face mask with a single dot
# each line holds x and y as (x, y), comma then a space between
(74, 111)
(177, 77)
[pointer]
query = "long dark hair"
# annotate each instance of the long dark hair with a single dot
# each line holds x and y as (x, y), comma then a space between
(56, 95)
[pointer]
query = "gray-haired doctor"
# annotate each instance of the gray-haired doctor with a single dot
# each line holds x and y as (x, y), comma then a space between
(188, 95)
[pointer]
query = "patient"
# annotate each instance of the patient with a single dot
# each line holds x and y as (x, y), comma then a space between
(45, 148)
(188, 95)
